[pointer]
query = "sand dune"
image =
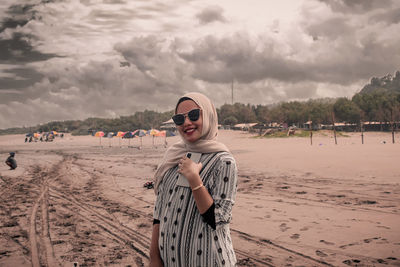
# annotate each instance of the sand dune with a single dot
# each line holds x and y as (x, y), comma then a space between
(74, 201)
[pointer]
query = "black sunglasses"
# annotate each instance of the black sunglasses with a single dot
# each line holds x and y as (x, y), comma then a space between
(193, 115)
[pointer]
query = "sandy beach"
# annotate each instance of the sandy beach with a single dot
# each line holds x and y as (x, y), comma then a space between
(76, 200)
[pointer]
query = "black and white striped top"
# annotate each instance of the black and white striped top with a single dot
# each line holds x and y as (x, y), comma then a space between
(185, 238)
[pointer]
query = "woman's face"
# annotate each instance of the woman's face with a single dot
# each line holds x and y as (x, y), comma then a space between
(190, 130)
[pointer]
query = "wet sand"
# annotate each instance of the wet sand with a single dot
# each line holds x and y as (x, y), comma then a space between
(73, 200)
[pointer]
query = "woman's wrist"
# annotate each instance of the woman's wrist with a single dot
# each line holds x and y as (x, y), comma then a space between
(194, 181)
(197, 187)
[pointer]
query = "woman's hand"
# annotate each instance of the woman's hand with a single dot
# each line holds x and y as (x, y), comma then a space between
(190, 170)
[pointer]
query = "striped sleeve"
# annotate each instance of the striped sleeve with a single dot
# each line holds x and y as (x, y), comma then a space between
(158, 205)
(224, 189)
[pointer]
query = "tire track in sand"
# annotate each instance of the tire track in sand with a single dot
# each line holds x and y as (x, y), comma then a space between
(132, 238)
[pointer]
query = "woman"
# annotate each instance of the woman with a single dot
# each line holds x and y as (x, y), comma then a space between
(191, 223)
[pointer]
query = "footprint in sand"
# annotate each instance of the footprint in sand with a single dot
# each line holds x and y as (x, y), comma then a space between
(326, 242)
(295, 236)
(284, 227)
(305, 228)
(320, 253)
(351, 262)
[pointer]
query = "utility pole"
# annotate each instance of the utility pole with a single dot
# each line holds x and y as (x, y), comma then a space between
(232, 91)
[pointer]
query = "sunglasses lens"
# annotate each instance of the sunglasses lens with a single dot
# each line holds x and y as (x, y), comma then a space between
(194, 114)
(179, 119)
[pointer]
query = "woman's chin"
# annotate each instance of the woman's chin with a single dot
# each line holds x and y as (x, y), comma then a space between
(192, 137)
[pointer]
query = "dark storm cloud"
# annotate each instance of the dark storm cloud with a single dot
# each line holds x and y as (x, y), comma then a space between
(357, 6)
(332, 29)
(389, 16)
(211, 14)
(236, 58)
(18, 50)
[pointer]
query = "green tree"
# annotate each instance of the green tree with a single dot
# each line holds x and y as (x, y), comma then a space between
(346, 110)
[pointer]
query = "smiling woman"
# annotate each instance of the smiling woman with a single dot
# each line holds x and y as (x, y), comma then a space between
(191, 220)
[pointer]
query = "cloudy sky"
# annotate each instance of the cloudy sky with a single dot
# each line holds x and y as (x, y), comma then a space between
(73, 59)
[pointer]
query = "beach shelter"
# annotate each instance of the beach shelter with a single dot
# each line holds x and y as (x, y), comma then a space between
(99, 134)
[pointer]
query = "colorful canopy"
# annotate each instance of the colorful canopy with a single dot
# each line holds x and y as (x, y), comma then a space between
(99, 134)
(139, 133)
(120, 134)
(154, 132)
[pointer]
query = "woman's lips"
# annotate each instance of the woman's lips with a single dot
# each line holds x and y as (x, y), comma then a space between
(190, 131)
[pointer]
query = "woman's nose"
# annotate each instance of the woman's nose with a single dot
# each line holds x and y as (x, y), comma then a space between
(187, 120)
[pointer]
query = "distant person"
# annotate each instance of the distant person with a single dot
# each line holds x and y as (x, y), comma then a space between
(11, 162)
(26, 139)
(191, 218)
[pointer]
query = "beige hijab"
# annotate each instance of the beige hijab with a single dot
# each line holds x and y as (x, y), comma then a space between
(206, 144)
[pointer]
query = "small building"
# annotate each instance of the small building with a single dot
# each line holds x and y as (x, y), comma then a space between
(168, 125)
(244, 126)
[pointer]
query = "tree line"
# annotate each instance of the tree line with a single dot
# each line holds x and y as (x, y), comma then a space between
(378, 101)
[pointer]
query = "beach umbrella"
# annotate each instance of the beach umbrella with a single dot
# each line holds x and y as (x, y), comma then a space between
(139, 133)
(162, 133)
(154, 132)
(120, 134)
(99, 134)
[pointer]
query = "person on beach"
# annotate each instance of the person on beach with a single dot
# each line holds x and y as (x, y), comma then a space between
(191, 223)
(11, 162)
